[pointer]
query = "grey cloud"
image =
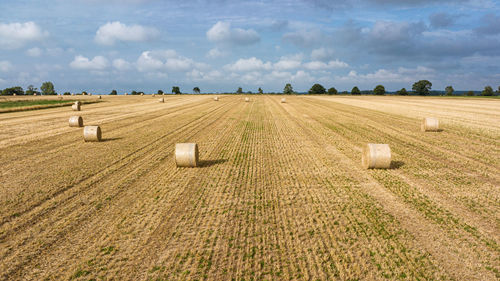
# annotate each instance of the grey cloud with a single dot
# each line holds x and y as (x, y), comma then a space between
(304, 38)
(490, 25)
(441, 20)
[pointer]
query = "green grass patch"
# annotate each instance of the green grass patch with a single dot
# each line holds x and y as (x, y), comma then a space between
(24, 105)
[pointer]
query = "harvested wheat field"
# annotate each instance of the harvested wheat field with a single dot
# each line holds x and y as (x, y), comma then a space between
(279, 193)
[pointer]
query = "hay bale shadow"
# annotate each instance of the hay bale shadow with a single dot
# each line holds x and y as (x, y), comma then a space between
(397, 164)
(110, 139)
(209, 163)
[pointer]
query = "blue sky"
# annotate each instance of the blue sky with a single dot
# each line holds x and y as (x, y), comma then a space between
(219, 45)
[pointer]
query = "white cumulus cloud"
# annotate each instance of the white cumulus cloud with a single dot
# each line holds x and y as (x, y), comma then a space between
(112, 32)
(322, 54)
(221, 32)
(34, 52)
(121, 64)
(319, 65)
(288, 62)
(97, 63)
(250, 64)
(215, 53)
(16, 35)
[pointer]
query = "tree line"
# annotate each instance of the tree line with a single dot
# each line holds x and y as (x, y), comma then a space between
(422, 87)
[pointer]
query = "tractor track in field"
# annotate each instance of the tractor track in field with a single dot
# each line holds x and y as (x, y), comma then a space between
(91, 113)
(109, 169)
(279, 195)
(119, 163)
(130, 121)
(425, 231)
(423, 155)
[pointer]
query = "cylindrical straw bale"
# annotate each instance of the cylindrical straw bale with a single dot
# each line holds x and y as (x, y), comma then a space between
(99, 97)
(76, 106)
(76, 121)
(154, 95)
(161, 100)
(142, 94)
(283, 100)
(376, 156)
(247, 99)
(34, 94)
(92, 133)
(216, 99)
(15, 95)
(186, 154)
(430, 124)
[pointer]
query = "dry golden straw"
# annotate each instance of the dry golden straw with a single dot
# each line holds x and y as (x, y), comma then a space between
(92, 133)
(429, 124)
(161, 100)
(376, 156)
(216, 99)
(186, 154)
(76, 106)
(283, 100)
(76, 121)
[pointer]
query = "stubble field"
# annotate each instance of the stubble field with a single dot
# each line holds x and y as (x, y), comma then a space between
(280, 195)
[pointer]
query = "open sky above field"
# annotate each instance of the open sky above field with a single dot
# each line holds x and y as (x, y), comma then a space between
(220, 45)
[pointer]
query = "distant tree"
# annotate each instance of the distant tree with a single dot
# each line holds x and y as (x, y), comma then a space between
(488, 91)
(355, 91)
(176, 90)
(402, 92)
(470, 93)
(48, 88)
(67, 94)
(196, 90)
(114, 93)
(422, 87)
(160, 92)
(379, 90)
(344, 93)
(317, 89)
(239, 91)
(288, 90)
(84, 93)
(498, 91)
(134, 93)
(332, 91)
(31, 90)
(260, 90)
(449, 90)
(13, 90)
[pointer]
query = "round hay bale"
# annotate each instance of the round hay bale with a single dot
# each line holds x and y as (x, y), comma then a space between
(76, 106)
(126, 94)
(429, 124)
(92, 133)
(14, 95)
(76, 121)
(186, 154)
(376, 156)
(142, 94)
(247, 99)
(99, 97)
(90, 94)
(154, 95)
(216, 98)
(161, 100)
(34, 94)
(283, 100)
